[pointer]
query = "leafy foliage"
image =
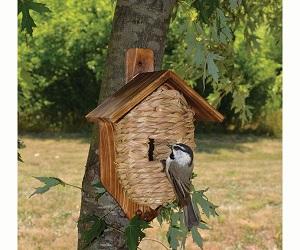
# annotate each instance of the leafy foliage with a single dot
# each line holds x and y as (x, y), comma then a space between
(212, 68)
(24, 7)
(201, 199)
(96, 229)
(172, 214)
(205, 8)
(231, 54)
(60, 68)
(175, 235)
(226, 44)
(20, 157)
(49, 182)
(134, 232)
(197, 237)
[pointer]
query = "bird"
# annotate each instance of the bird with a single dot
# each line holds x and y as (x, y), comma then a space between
(179, 169)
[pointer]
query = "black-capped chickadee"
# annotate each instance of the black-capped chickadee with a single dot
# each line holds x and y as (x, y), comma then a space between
(179, 168)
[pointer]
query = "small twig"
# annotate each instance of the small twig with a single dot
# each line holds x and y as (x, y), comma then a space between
(108, 212)
(73, 186)
(187, 5)
(157, 242)
(204, 74)
(114, 228)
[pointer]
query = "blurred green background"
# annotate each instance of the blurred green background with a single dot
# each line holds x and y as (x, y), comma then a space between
(60, 67)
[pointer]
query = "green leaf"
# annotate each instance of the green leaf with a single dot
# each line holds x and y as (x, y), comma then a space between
(134, 232)
(159, 219)
(205, 8)
(27, 23)
(175, 217)
(20, 158)
(194, 175)
(25, 75)
(21, 145)
(203, 226)
(225, 32)
(49, 183)
(233, 4)
(182, 223)
(88, 218)
(199, 57)
(214, 98)
(182, 27)
(174, 12)
(174, 236)
(95, 231)
(197, 237)
(207, 207)
(211, 66)
(38, 7)
(239, 96)
(190, 38)
(24, 7)
(166, 212)
(99, 189)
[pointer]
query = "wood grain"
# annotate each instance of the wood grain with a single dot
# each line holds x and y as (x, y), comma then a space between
(109, 178)
(138, 60)
(136, 90)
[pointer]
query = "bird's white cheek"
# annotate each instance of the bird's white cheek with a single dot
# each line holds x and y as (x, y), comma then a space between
(168, 161)
(183, 160)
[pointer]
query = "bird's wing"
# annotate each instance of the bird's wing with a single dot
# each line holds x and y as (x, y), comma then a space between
(179, 177)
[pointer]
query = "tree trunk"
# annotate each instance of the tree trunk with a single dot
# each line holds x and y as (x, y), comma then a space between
(136, 24)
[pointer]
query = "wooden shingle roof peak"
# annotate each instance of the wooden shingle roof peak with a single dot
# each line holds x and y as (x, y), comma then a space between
(142, 85)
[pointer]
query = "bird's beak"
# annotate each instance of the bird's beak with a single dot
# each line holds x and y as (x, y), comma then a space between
(170, 146)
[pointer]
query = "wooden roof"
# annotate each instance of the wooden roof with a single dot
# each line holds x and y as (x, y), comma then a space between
(142, 85)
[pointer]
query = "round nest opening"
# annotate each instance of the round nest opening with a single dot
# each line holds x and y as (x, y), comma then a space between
(142, 136)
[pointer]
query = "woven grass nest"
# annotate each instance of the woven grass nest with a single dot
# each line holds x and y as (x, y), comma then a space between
(141, 143)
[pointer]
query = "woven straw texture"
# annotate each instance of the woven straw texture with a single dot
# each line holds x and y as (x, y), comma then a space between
(163, 117)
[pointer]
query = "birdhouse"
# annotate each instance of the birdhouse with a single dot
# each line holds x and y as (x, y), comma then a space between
(136, 123)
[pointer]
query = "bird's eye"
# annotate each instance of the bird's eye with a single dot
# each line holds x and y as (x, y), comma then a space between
(176, 147)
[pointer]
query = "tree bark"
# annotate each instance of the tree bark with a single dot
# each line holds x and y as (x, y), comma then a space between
(136, 24)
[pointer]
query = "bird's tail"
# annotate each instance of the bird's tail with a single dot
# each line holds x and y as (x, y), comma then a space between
(190, 216)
